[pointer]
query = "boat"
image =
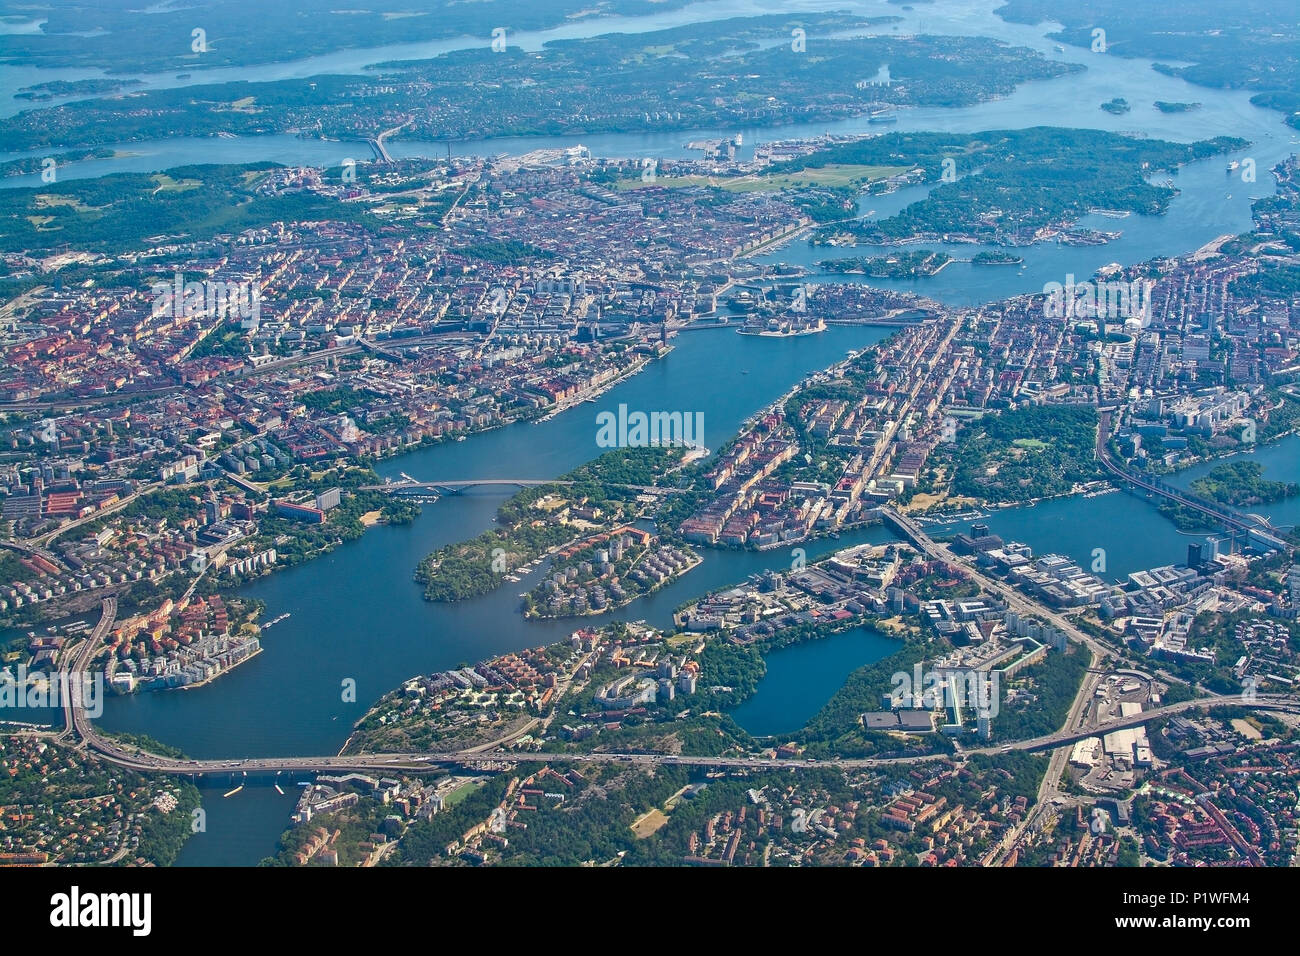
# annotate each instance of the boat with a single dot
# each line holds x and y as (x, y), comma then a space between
(275, 620)
(1233, 166)
(883, 120)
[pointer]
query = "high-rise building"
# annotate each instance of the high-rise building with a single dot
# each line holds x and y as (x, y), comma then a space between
(1194, 555)
(329, 499)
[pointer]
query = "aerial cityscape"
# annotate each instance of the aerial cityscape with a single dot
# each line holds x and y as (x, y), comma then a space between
(624, 434)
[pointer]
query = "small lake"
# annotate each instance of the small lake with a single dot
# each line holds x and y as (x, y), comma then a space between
(801, 679)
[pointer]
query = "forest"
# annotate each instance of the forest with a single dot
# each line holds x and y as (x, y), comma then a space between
(1026, 453)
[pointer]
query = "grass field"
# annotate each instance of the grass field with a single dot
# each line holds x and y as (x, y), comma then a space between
(646, 824)
(461, 792)
(834, 174)
(168, 185)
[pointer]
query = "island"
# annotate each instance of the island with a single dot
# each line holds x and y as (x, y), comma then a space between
(916, 264)
(996, 258)
(1241, 484)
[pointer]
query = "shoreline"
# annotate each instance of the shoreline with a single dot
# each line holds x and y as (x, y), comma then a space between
(614, 607)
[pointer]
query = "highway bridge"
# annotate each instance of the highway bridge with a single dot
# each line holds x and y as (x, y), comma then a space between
(1255, 527)
(430, 762)
(458, 485)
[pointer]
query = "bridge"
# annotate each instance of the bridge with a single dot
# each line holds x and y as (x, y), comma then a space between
(74, 709)
(458, 485)
(1255, 527)
(377, 144)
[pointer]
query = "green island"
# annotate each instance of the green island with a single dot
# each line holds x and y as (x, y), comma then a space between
(1118, 106)
(1242, 483)
(599, 496)
(996, 257)
(1167, 107)
(915, 264)
(54, 88)
(36, 164)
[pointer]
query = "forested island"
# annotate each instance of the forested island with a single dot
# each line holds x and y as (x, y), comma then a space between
(996, 258)
(904, 265)
(600, 495)
(1242, 483)
(54, 88)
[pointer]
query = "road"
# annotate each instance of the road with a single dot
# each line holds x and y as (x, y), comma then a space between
(74, 713)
